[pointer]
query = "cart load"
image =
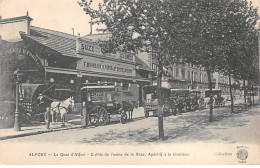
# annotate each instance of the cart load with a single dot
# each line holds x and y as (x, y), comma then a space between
(104, 101)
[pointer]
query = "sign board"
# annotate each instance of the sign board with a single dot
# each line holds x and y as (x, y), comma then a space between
(105, 66)
(91, 48)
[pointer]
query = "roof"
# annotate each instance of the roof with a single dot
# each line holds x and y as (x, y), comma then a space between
(142, 65)
(97, 37)
(63, 43)
(14, 19)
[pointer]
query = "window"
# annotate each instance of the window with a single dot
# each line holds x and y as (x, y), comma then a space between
(183, 73)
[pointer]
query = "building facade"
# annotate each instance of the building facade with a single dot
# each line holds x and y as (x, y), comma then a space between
(64, 60)
(188, 76)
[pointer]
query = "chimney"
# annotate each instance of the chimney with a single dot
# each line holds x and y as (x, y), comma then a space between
(73, 31)
(28, 23)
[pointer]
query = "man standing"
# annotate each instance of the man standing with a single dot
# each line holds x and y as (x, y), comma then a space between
(47, 117)
(84, 115)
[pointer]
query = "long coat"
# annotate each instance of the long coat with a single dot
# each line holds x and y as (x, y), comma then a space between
(84, 117)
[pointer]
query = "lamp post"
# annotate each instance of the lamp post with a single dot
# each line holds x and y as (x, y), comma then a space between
(18, 75)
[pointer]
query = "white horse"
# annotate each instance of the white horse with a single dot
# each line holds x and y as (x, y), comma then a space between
(62, 108)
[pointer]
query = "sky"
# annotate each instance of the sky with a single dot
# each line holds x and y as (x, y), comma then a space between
(59, 15)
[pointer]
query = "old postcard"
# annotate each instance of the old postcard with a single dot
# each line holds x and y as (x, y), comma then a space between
(129, 82)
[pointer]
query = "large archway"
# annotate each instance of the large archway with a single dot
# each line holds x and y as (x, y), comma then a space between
(15, 56)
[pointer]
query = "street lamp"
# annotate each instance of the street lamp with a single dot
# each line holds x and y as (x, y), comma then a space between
(18, 75)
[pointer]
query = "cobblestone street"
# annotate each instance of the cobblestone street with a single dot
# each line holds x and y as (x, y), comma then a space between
(188, 127)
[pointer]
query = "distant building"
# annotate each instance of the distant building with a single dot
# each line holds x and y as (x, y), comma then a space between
(188, 76)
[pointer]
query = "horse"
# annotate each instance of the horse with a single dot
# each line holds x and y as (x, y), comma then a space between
(207, 102)
(130, 106)
(62, 108)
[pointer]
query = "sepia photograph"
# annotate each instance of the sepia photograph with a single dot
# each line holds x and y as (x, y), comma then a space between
(129, 82)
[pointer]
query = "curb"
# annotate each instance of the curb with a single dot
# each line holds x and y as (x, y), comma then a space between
(37, 132)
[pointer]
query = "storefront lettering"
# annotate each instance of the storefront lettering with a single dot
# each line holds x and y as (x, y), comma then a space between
(93, 48)
(24, 51)
(107, 67)
(87, 47)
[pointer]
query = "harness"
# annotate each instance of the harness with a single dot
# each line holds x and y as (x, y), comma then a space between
(58, 106)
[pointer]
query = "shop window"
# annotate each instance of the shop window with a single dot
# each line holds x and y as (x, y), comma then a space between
(125, 86)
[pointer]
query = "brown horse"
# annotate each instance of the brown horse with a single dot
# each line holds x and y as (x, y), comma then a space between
(130, 106)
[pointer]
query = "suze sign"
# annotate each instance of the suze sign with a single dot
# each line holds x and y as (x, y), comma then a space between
(89, 47)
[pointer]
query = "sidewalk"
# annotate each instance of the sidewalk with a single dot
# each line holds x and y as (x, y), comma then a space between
(32, 130)
(73, 123)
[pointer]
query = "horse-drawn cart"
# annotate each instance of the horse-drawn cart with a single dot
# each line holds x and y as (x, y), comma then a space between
(104, 101)
(218, 100)
(28, 100)
(180, 100)
(151, 100)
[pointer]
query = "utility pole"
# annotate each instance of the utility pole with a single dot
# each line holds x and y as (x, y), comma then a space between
(91, 25)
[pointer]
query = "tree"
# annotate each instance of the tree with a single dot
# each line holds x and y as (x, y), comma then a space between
(203, 44)
(238, 25)
(138, 25)
(215, 32)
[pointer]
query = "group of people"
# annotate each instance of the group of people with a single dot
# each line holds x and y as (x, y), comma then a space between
(84, 116)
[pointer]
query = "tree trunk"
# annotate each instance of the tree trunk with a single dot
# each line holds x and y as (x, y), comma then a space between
(160, 112)
(250, 94)
(253, 95)
(211, 96)
(231, 95)
(244, 85)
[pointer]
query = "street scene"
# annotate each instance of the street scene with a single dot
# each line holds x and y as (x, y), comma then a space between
(190, 127)
(130, 72)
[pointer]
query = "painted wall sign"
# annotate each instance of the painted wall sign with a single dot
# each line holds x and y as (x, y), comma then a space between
(106, 66)
(19, 50)
(88, 47)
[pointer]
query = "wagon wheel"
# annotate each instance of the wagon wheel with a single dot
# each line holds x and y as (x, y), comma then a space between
(100, 115)
(123, 117)
(93, 119)
(165, 110)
